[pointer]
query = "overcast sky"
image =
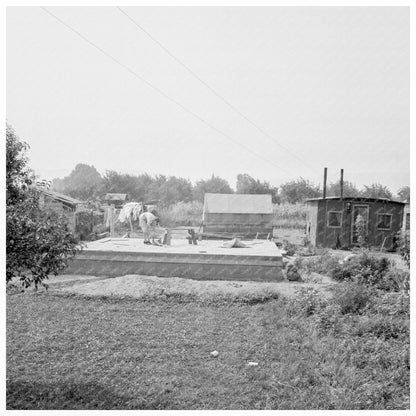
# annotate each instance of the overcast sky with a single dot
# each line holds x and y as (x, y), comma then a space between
(329, 84)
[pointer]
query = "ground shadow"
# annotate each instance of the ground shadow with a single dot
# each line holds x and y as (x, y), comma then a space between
(41, 396)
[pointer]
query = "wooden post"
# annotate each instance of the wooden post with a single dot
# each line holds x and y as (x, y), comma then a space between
(342, 184)
(111, 217)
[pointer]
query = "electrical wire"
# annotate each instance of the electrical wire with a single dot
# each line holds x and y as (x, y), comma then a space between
(217, 94)
(159, 91)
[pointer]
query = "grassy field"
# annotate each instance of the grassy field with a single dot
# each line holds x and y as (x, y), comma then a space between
(70, 352)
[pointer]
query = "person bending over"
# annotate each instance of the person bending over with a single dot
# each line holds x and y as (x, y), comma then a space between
(147, 222)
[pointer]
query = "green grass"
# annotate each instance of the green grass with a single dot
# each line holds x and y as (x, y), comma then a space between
(76, 353)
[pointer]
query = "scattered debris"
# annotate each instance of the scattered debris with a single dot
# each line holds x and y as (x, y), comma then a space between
(349, 258)
(235, 242)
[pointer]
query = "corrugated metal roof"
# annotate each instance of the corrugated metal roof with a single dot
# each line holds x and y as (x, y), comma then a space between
(355, 198)
(238, 204)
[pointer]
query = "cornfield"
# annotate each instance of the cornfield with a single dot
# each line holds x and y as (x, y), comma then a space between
(289, 216)
(190, 213)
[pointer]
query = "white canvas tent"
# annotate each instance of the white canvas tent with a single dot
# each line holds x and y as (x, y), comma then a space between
(238, 214)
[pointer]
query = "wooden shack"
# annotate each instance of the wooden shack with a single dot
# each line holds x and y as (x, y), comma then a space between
(58, 202)
(332, 222)
(72, 208)
(238, 215)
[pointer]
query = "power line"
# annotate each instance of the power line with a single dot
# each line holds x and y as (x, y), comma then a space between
(159, 91)
(217, 94)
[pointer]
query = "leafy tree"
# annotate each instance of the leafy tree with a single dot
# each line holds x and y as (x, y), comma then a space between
(38, 242)
(18, 175)
(169, 190)
(376, 190)
(83, 182)
(297, 191)
(350, 190)
(137, 187)
(404, 193)
(178, 189)
(215, 185)
(248, 185)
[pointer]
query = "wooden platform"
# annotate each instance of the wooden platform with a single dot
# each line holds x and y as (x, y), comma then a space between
(209, 260)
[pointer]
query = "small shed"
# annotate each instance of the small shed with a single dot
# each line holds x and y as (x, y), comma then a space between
(332, 221)
(72, 208)
(57, 201)
(238, 215)
(118, 200)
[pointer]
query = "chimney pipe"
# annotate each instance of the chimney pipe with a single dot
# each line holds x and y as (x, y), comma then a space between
(342, 184)
(325, 174)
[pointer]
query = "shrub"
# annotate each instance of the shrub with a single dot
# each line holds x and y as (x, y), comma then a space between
(390, 304)
(289, 248)
(307, 302)
(395, 280)
(351, 297)
(383, 327)
(365, 270)
(38, 242)
(327, 319)
(322, 264)
(403, 238)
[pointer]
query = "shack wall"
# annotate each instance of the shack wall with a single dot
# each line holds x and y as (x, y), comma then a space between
(342, 236)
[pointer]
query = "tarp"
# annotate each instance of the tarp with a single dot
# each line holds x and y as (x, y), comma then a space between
(238, 204)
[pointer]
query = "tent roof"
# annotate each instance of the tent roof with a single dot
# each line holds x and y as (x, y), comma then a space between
(238, 204)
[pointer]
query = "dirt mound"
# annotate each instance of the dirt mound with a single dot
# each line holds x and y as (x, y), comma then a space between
(136, 286)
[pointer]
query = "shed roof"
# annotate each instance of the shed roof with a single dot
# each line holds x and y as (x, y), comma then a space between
(58, 196)
(238, 204)
(355, 199)
(115, 197)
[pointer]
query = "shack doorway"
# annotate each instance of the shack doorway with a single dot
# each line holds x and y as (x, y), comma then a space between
(357, 210)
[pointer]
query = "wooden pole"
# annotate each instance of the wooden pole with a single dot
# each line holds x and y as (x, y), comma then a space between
(342, 184)
(111, 215)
